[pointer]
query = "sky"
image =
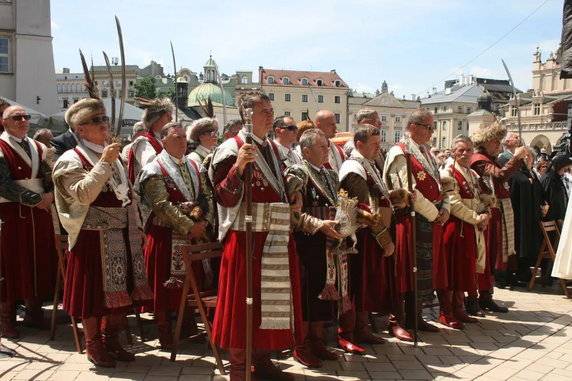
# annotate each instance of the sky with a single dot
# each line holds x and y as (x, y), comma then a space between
(414, 45)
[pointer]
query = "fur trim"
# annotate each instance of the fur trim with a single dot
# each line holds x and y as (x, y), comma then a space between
(83, 110)
(399, 198)
(495, 131)
(154, 109)
(448, 183)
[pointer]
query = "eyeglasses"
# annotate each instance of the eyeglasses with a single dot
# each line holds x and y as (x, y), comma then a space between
(96, 120)
(429, 127)
(17, 118)
(214, 133)
(290, 128)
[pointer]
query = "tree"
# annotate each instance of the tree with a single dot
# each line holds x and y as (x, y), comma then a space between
(145, 88)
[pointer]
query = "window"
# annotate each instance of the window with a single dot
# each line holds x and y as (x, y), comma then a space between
(66, 103)
(445, 108)
(383, 136)
(337, 99)
(4, 55)
(271, 80)
(397, 119)
(434, 142)
(319, 82)
(304, 115)
(244, 79)
(271, 96)
(304, 98)
(337, 83)
(286, 113)
(286, 81)
(104, 93)
(384, 118)
(460, 109)
(445, 125)
(537, 109)
(469, 110)
(434, 127)
(460, 125)
(287, 97)
(513, 111)
(443, 142)
(130, 93)
(320, 99)
(337, 118)
(397, 136)
(304, 82)
(436, 110)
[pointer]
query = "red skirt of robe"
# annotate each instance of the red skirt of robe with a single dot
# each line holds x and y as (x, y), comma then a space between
(24, 230)
(229, 326)
(461, 249)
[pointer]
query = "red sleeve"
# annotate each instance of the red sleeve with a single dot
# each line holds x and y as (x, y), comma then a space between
(503, 174)
(227, 183)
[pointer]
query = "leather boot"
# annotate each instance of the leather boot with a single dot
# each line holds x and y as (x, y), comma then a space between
(362, 333)
(94, 348)
(237, 359)
(446, 310)
(303, 354)
(459, 310)
(472, 304)
(7, 326)
(395, 327)
(265, 369)
(422, 325)
(487, 303)
(35, 315)
(346, 340)
(163, 322)
(110, 327)
(316, 343)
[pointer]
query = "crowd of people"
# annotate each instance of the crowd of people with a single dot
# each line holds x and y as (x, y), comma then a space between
(465, 219)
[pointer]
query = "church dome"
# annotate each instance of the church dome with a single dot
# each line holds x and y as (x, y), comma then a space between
(206, 90)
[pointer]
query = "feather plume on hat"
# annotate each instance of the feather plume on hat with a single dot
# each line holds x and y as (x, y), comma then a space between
(488, 133)
(154, 109)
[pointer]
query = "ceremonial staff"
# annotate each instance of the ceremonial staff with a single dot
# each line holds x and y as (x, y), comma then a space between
(413, 243)
(248, 224)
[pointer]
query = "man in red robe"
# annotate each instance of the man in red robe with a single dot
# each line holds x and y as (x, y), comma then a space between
(432, 211)
(500, 232)
(105, 273)
(171, 186)
(147, 146)
(372, 270)
(275, 277)
(27, 247)
(462, 237)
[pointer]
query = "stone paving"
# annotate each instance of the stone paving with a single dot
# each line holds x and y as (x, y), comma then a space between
(531, 342)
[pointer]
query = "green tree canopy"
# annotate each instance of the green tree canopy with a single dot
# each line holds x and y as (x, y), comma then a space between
(145, 88)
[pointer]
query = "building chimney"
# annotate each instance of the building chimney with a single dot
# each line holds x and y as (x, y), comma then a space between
(66, 70)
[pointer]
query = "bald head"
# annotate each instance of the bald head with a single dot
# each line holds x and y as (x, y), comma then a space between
(16, 121)
(326, 121)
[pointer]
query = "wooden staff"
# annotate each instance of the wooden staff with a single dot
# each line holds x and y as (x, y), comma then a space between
(413, 243)
(248, 222)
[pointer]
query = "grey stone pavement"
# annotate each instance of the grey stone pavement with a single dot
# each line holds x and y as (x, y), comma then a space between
(531, 342)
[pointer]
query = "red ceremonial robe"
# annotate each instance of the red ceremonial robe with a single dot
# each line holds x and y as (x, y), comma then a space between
(461, 245)
(131, 158)
(28, 248)
(229, 326)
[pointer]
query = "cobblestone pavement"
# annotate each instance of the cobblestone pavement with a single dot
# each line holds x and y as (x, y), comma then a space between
(531, 342)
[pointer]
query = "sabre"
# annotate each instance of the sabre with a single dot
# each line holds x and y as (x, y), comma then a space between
(111, 89)
(123, 80)
(175, 82)
(517, 100)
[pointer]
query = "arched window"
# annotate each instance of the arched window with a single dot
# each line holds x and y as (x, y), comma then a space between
(319, 82)
(337, 83)
(286, 81)
(304, 82)
(244, 79)
(271, 80)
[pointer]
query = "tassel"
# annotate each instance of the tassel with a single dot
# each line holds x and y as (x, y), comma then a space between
(329, 293)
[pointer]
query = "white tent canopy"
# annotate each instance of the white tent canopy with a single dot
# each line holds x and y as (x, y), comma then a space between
(38, 119)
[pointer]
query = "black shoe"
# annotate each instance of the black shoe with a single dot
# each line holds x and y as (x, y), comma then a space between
(472, 307)
(489, 304)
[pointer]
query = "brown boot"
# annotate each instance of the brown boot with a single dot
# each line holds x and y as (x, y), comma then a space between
(446, 315)
(94, 348)
(237, 359)
(362, 333)
(265, 369)
(396, 326)
(459, 309)
(7, 326)
(314, 341)
(35, 315)
(422, 325)
(346, 339)
(110, 327)
(163, 322)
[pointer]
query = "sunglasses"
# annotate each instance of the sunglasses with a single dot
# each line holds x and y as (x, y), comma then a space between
(17, 118)
(290, 128)
(213, 133)
(429, 127)
(96, 120)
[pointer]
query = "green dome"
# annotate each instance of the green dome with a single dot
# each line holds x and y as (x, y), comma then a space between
(206, 90)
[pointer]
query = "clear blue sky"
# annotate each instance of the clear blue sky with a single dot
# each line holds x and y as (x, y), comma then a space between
(412, 44)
